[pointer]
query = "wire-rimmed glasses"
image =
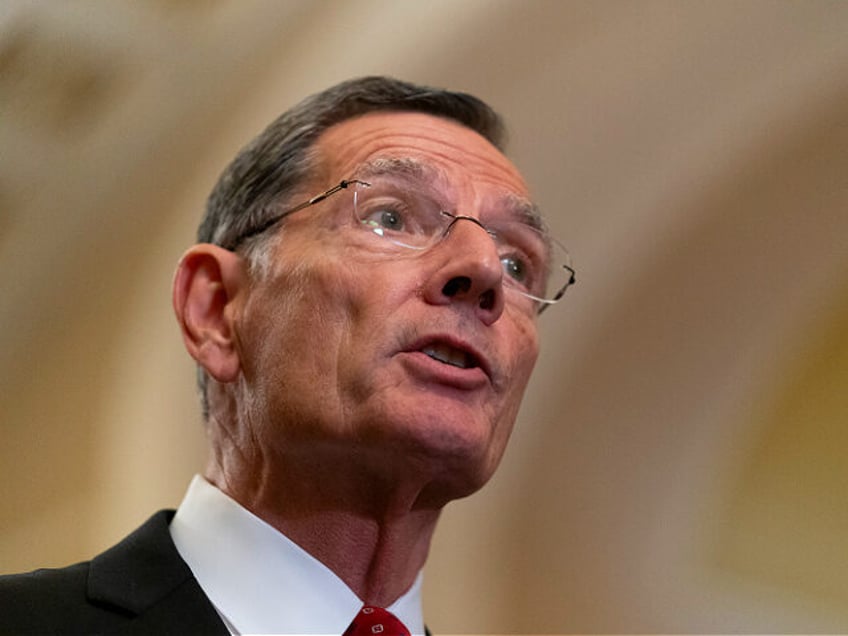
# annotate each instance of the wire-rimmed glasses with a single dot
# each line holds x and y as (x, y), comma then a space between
(408, 217)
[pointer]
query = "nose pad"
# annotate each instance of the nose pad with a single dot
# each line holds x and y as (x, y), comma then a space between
(461, 217)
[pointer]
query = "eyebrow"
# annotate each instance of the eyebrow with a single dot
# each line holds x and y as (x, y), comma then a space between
(427, 175)
(527, 210)
(399, 166)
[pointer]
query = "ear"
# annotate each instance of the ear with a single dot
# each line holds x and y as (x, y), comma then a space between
(208, 284)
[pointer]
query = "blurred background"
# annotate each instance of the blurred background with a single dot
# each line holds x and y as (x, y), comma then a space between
(679, 464)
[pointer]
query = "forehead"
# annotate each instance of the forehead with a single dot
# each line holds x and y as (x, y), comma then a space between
(459, 155)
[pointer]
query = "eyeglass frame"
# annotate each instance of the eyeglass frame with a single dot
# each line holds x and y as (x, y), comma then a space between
(346, 183)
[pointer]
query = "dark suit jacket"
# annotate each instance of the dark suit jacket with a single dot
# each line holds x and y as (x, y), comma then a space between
(140, 586)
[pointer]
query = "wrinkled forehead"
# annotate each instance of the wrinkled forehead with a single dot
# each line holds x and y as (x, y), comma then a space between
(464, 158)
(421, 176)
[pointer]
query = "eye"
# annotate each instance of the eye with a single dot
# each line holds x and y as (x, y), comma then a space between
(517, 268)
(385, 217)
(524, 253)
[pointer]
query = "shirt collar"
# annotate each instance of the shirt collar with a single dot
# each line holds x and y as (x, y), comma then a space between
(260, 581)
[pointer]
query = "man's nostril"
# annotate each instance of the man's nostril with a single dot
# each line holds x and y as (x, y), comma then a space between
(456, 285)
(487, 299)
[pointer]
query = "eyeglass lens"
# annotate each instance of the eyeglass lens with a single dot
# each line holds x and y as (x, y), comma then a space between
(407, 216)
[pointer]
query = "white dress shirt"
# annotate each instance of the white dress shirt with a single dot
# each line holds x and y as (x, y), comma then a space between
(261, 582)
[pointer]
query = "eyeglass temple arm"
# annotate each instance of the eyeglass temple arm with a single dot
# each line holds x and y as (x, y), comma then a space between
(345, 183)
(316, 199)
(571, 280)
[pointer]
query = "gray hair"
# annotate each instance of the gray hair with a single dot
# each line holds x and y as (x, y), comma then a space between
(269, 170)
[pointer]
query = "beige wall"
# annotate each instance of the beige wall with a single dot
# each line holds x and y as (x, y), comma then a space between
(678, 463)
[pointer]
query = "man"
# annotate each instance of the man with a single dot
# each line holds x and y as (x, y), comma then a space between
(362, 306)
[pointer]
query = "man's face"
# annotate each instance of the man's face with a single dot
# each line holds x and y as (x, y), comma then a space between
(412, 359)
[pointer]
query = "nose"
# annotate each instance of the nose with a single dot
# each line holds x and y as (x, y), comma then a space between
(469, 271)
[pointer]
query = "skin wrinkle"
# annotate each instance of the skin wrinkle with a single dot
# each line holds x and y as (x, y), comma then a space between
(299, 278)
(221, 458)
(448, 153)
(251, 451)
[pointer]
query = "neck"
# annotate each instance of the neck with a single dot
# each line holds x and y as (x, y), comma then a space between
(372, 528)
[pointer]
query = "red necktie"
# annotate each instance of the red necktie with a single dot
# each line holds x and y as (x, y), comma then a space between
(375, 621)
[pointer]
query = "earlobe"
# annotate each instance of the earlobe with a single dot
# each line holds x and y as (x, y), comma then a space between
(207, 287)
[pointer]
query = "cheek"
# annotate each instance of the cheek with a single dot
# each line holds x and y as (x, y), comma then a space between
(523, 357)
(323, 313)
(523, 362)
(289, 323)
(525, 339)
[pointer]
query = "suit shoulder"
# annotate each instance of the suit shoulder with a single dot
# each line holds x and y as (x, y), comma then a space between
(44, 581)
(35, 602)
(139, 586)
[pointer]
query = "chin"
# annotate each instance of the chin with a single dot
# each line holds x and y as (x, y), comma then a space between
(450, 482)
(458, 459)
(454, 444)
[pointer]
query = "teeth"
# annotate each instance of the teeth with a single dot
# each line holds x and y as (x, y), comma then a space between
(449, 355)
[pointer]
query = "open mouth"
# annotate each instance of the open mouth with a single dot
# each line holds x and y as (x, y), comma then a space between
(450, 355)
